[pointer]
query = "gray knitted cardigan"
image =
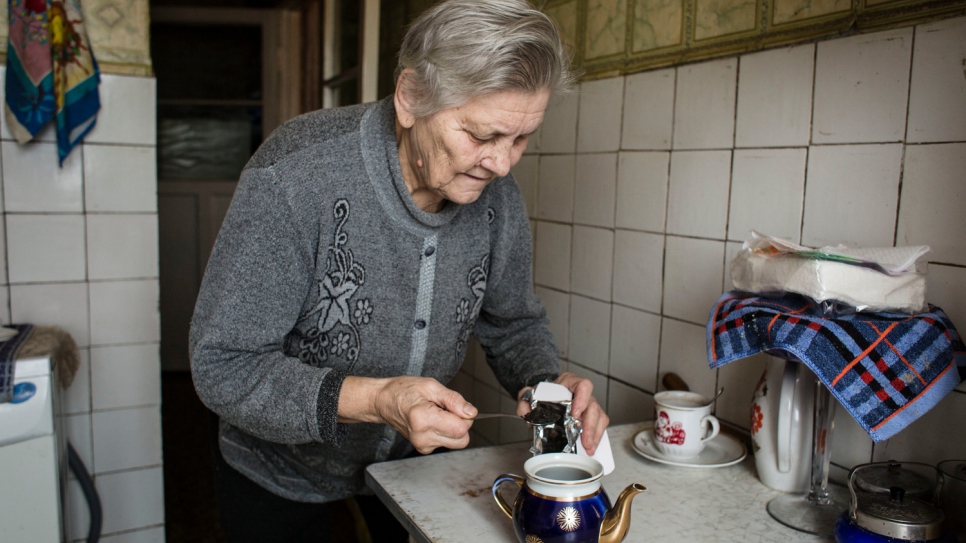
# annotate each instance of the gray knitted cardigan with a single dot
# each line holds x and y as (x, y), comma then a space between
(324, 267)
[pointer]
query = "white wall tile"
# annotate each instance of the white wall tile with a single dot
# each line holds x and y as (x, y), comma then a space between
(125, 312)
(3, 252)
(552, 258)
(555, 191)
(639, 269)
(120, 178)
(627, 405)
(595, 189)
(933, 193)
(149, 535)
(851, 195)
(46, 248)
(851, 445)
(122, 246)
(592, 268)
(648, 110)
(704, 107)
(634, 340)
(944, 288)
(54, 304)
(77, 429)
(599, 122)
(5, 305)
(557, 305)
(77, 397)
(861, 88)
(698, 193)
(642, 180)
(131, 118)
(930, 439)
(558, 133)
(78, 512)
(775, 98)
(131, 499)
(126, 438)
(739, 379)
(683, 352)
(599, 380)
(525, 172)
(589, 333)
(125, 376)
(693, 272)
(937, 96)
(34, 182)
(767, 193)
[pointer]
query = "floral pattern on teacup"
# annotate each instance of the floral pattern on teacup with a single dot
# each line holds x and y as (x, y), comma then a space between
(667, 432)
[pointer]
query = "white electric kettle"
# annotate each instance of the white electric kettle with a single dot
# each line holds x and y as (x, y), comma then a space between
(781, 425)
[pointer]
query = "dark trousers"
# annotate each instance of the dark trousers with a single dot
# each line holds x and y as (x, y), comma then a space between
(251, 513)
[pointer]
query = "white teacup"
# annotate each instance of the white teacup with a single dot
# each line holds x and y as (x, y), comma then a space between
(683, 423)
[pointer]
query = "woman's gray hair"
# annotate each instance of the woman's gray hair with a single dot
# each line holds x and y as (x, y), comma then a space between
(462, 49)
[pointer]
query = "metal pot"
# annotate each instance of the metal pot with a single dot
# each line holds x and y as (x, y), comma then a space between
(893, 502)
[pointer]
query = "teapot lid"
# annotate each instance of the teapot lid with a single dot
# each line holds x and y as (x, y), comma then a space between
(895, 511)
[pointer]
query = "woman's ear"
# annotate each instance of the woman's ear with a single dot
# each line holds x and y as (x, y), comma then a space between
(403, 99)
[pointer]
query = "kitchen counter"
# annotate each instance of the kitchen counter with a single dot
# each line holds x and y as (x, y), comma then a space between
(446, 497)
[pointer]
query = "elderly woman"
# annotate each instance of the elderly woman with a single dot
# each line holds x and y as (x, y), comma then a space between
(363, 247)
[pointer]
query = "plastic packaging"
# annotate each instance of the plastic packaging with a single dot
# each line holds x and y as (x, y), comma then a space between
(887, 279)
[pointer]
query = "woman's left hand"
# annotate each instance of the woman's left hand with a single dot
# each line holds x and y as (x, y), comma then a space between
(593, 419)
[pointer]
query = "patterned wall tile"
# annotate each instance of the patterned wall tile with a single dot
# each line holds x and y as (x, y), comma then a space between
(565, 17)
(606, 28)
(787, 11)
(657, 24)
(716, 18)
(118, 30)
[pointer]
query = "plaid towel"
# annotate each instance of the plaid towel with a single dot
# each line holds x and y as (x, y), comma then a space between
(51, 72)
(886, 369)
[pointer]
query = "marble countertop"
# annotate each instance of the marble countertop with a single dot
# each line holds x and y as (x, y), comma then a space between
(446, 498)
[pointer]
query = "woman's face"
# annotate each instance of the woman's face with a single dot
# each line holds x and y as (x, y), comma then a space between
(454, 154)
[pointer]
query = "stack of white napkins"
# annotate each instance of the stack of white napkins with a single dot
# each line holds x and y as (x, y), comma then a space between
(868, 279)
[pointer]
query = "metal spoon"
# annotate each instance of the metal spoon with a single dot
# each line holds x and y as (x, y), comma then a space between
(491, 415)
(720, 390)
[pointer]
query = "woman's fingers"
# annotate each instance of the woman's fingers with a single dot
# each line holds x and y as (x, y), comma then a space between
(427, 413)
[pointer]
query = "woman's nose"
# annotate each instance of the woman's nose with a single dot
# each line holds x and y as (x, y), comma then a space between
(501, 159)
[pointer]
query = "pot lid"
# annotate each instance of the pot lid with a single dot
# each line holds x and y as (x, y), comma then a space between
(881, 478)
(892, 510)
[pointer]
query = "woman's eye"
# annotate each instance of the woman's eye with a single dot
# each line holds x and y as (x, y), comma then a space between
(479, 139)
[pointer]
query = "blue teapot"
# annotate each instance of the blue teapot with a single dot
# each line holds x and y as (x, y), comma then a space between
(561, 501)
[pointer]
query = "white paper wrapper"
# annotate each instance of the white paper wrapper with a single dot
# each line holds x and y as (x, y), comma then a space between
(872, 279)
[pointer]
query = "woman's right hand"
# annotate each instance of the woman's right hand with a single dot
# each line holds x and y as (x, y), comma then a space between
(424, 411)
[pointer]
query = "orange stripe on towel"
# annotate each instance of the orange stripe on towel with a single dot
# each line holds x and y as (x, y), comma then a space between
(864, 353)
(904, 361)
(901, 409)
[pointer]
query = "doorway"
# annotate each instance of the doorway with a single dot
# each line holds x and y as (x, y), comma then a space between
(226, 77)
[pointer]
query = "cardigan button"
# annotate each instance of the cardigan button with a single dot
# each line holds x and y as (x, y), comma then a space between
(430, 250)
(420, 324)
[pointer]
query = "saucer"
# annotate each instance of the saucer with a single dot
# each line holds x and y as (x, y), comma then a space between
(723, 450)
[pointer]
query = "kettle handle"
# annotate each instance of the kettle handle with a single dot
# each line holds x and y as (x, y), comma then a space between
(785, 412)
(505, 478)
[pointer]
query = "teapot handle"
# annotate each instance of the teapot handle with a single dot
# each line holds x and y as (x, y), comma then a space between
(505, 478)
(785, 413)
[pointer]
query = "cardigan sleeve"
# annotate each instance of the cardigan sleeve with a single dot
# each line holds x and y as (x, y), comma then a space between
(250, 297)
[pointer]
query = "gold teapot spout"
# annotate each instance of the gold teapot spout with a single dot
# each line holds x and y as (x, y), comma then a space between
(616, 522)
